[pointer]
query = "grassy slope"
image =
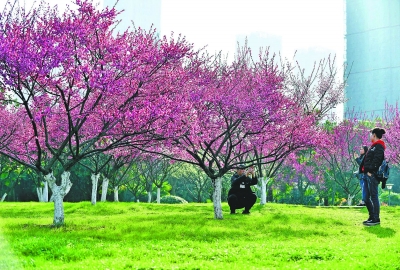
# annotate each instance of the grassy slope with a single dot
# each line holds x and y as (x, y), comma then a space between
(131, 236)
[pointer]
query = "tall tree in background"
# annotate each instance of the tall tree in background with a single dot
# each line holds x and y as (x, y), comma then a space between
(316, 91)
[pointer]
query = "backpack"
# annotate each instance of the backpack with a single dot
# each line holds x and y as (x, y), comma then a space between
(383, 172)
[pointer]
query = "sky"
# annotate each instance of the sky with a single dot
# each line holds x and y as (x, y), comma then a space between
(298, 24)
(290, 25)
(311, 28)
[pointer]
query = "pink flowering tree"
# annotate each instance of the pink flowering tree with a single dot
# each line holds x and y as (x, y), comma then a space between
(338, 153)
(234, 108)
(304, 171)
(79, 89)
(298, 132)
(316, 91)
(313, 95)
(391, 123)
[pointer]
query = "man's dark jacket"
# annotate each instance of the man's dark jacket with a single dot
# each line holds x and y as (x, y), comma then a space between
(374, 157)
(237, 181)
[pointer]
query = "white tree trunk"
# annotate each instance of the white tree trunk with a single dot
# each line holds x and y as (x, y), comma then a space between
(264, 182)
(95, 181)
(349, 199)
(104, 189)
(149, 196)
(45, 193)
(158, 194)
(217, 185)
(321, 202)
(59, 193)
(116, 194)
(39, 191)
(4, 196)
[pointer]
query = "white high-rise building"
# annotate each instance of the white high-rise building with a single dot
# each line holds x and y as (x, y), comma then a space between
(372, 38)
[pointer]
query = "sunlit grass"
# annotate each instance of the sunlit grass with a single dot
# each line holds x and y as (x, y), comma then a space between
(150, 236)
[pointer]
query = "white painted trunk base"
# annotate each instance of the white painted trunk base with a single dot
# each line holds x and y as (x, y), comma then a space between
(349, 199)
(217, 185)
(45, 192)
(95, 181)
(116, 199)
(264, 182)
(149, 196)
(59, 193)
(158, 194)
(4, 197)
(39, 192)
(104, 188)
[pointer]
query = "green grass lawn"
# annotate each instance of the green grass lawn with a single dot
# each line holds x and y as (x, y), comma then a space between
(150, 236)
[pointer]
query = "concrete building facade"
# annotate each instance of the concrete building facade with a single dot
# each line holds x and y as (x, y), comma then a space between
(372, 54)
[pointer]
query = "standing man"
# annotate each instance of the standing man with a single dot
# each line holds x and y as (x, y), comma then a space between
(371, 163)
(240, 195)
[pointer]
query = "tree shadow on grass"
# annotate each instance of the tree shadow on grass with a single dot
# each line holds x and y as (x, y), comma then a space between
(381, 232)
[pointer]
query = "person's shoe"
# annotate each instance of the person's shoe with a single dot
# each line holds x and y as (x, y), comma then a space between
(246, 212)
(373, 222)
(233, 211)
(368, 220)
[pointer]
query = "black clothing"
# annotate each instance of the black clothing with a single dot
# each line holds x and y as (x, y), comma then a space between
(240, 195)
(242, 183)
(359, 161)
(372, 198)
(372, 161)
(374, 157)
(239, 200)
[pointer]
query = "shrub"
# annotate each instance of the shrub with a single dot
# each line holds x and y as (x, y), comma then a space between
(172, 200)
(394, 198)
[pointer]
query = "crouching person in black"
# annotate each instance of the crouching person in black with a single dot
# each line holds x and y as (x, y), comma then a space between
(240, 195)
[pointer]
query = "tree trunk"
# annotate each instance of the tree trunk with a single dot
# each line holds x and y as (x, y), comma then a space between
(45, 192)
(217, 185)
(172, 192)
(264, 183)
(270, 195)
(349, 199)
(39, 193)
(104, 189)
(116, 194)
(149, 196)
(59, 193)
(326, 201)
(4, 196)
(158, 194)
(95, 181)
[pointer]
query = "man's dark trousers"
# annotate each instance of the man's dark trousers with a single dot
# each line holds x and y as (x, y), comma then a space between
(239, 200)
